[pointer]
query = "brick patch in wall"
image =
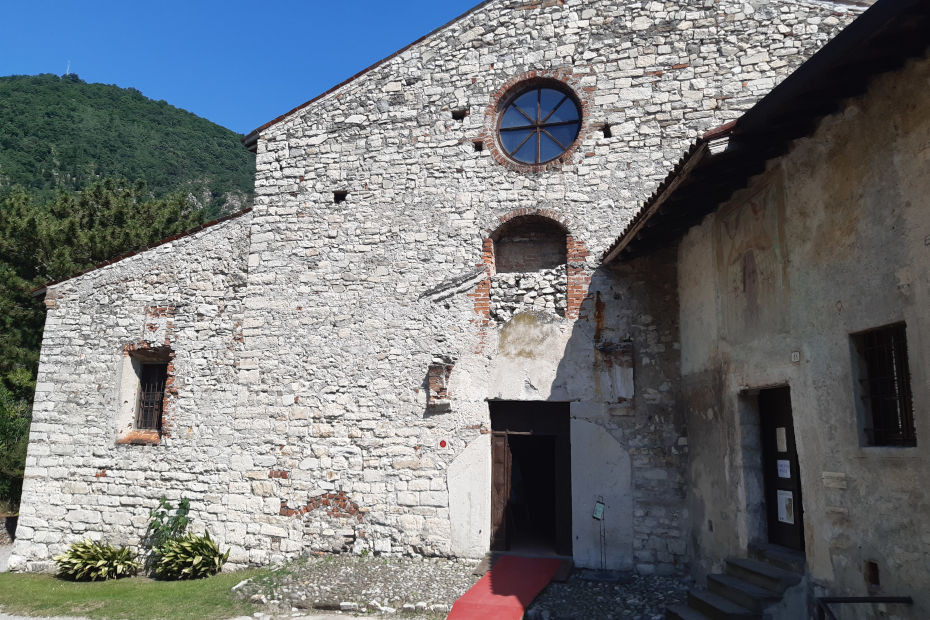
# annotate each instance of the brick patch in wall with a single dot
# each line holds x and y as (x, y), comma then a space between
(578, 278)
(335, 504)
(139, 438)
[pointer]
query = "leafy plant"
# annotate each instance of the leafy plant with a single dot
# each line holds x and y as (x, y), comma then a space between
(164, 527)
(93, 561)
(189, 557)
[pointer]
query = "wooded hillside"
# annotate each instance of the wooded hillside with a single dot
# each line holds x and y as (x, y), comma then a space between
(63, 133)
(89, 172)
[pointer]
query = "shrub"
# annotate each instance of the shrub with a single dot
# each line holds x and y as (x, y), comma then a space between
(189, 557)
(164, 527)
(93, 561)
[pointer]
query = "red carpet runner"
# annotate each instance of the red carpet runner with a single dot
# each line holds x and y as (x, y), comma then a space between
(506, 590)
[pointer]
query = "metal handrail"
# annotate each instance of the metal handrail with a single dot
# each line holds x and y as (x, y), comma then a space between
(823, 603)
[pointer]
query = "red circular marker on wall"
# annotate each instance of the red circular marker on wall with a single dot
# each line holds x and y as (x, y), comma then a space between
(442, 444)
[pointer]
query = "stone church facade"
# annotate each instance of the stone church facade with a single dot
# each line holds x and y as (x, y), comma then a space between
(409, 344)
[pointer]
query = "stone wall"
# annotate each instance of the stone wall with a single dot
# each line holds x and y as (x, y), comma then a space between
(342, 295)
(370, 257)
(515, 292)
(81, 479)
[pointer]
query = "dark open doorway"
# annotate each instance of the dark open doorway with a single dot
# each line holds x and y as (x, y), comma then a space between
(531, 481)
(532, 492)
(781, 473)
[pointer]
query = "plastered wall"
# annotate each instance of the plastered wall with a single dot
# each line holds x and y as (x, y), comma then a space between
(839, 230)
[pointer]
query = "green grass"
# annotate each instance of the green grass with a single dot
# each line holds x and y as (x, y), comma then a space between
(138, 598)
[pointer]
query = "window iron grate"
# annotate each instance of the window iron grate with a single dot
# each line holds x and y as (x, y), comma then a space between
(886, 386)
(151, 396)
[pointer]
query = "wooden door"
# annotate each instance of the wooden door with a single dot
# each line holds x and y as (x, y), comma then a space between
(780, 467)
(500, 489)
(530, 419)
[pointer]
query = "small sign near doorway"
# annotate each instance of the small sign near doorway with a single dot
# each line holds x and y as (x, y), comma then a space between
(598, 510)
(784, 468)
(786, 507)
(781, 439)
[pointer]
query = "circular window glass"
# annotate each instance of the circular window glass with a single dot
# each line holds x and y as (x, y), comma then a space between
(539, 125)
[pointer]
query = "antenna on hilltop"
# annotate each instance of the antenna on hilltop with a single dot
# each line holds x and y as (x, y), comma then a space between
(68, 70)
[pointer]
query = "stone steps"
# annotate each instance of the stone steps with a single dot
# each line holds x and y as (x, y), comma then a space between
(746, 588)
(762, 574)
(779, 557)
(741, 592)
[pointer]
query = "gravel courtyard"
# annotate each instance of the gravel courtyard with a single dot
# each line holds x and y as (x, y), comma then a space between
(427, 588)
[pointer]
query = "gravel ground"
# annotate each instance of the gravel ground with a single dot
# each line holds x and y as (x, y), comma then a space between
(426, 588)
(634, 596)
(423, 586)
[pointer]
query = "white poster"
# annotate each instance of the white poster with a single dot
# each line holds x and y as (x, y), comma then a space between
(781, 439)
(784, 468)
(786, 507)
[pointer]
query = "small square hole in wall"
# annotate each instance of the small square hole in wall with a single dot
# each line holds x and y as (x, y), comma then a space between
(606, 131)
(479, 145)
(340, 196)
(459, 115)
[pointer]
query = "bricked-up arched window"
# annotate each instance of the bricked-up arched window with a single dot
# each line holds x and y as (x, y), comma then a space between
(530, 243)
(539, 123)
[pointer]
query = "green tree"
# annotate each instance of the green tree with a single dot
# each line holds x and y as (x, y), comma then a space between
(44, 240)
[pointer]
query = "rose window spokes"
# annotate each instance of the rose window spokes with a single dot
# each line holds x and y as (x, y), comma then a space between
(539, 125)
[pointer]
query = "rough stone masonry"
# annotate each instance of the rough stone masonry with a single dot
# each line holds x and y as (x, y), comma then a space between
(301, 334)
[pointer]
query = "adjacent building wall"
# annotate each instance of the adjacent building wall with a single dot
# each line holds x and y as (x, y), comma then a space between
(87, 475)
(839, 235)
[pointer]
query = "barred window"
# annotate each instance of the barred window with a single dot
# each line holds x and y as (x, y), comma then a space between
(152, 379)
(885, 386)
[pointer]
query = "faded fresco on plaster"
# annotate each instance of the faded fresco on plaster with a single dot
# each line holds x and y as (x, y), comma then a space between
(751, 263)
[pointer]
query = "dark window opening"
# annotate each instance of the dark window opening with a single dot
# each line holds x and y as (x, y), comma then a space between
(340, 196)
(885, 386)
(871, 577)
(527, 244)
(606, 131)
(152, 379)
(479, 145)
(459, 115)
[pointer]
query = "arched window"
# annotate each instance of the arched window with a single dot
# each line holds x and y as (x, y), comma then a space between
(529, 243)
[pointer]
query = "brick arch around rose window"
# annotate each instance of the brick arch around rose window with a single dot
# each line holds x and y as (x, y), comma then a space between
(545, 221)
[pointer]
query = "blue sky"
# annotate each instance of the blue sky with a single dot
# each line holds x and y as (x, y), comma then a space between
(237, 63)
